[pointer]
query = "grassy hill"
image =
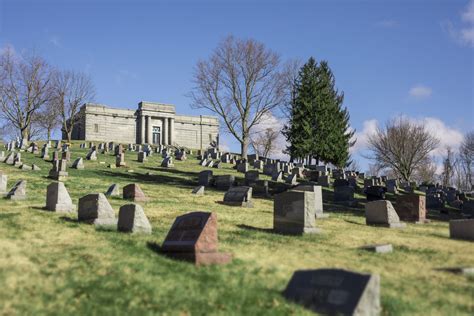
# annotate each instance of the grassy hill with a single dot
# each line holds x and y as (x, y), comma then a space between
(52, 265)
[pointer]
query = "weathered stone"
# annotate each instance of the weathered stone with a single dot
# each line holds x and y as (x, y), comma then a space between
(210, 163)
(318, 198)
(199, 190)
(132, 219)
(324, 181)
(58, 199)
(142, 157)
(291, 179)
(10, 160)
(294, 212)
(412, 208)
(18, 192)
(92, 155)
(78, 163)
(17, 162)
(205, 178)
(462, 229)
(26, 167)
(335, 292)
(251, 177)
(58, 171)
(66, 155)
(120, 160)
(344, 195)
(134, 192)
(239, 196)
(381, 248)
(298, 171)
(35, 168)
(392, 186)
(113, 190)
(243, 167)
(167, 162)
(382, 213)
(260, 188)
(277, 176)
(224, 182)
(193, 237)
(95, 209)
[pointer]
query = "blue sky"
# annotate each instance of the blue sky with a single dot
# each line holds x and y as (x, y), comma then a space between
(389, 57)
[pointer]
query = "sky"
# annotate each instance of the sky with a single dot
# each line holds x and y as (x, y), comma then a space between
(412, 58)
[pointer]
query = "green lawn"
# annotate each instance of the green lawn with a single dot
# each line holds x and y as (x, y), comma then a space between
(50, 264)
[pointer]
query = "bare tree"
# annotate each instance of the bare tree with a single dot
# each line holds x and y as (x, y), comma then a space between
(291, 71)
(449, 164)
(426, 172)
(48, 119)
(401, 145)
(466, 159)
(264, 142)
(71, 90)
(24, 89)
(240, 82)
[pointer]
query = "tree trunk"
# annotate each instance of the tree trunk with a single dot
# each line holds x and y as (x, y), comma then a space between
(69, 136)
(49, 134)
(25, 135)
(244, 147)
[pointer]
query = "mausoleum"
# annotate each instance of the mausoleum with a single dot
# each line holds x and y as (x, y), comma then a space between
(151, 123)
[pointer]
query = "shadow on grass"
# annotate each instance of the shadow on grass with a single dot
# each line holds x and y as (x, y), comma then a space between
(353, 222)
(265, 230)
(155, 179)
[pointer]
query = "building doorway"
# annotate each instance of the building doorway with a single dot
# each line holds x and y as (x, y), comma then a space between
(156, 135)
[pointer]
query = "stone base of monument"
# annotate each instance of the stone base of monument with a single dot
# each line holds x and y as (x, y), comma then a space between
(201, 258)
(64, 208)
(322, 215)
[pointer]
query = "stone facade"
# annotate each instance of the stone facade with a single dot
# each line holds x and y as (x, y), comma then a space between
(151, 123)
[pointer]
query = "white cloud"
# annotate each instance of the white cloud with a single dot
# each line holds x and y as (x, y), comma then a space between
(362, 137)
(270, 121)
(447, 136)
(464, 33)
(420, 92)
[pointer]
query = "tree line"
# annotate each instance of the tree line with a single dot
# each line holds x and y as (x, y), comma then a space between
(37, 98)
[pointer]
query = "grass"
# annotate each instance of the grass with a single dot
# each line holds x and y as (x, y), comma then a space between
(52, 265)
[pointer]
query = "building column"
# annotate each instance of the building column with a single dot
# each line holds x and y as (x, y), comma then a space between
(171, 131)
(149, 130)
(142, 129)
(165, 131)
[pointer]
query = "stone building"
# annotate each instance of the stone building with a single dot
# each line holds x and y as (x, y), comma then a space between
(151, 123)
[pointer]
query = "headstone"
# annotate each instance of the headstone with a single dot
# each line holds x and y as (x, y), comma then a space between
(318, 198)
(95, 209)
(224, 182)
(277, 176)
(382, 213)
(66, 155)
(134, 192)
(291, 179)
(35, 167)
(375, 192)
(26, 167)
(462, 229)
(142, 157)
(251, 177)
(3, 183)
(92, 155)
(412, 208)
(45, 152)
(217, 165)
(205, 178)
(119, 150)
(193, 237)
(18, 192)
(113, 190)
(58, 199)
(381, 248)
(210, 163)
(78, 163)
(132, 219)
(243, 167)
(340, 183)
(239, 196)
(199, 190)
(294, 212)
(167, 162)
(58, 171)
(17, 162)
(344, 195)
(335, 292)
(324, 181)
(392, 186)
(10, 160)
(120, 160)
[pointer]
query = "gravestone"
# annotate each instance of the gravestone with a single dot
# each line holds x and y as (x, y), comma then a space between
(120, 160)
(344, 195)
(3, 183)
(58, 171)
(18, 192)
(318, 198)
(375, 192)
(95, 209)
(167, 162)
(368, 183)
(142, 157)
(203, 162)
(134, 192)
(381, 248)
(55, 156)
(58, 199)
(199, 190)
(224, 182)
(78, 164)
(26, 167)
(251, 177)
(291, 179)
(119, 150)
(181, 155)
(258, 164)
(205, 178)
(392, 186)
(294, 212)
(412, 208)
(210, 163)
(217, 165)
(382, 213)
(45, 152)
(324, 180)
(462, 229)
(132, 219)
(340, 183)
(17, 162)
(243, 167)
(193, 237)
(239, 196)
(335, 292)
(35, 168)
(92, 155)
(113, 190)
(298, 171)
(277, 176)
(10, 160)
(66, 155)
